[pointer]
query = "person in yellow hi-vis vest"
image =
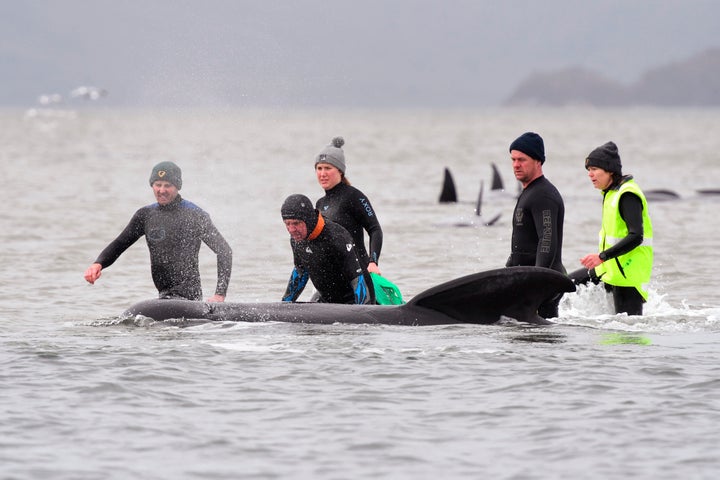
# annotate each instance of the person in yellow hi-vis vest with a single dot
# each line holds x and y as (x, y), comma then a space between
(625, 259)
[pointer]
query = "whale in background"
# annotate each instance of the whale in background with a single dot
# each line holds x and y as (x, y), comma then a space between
(448, 194)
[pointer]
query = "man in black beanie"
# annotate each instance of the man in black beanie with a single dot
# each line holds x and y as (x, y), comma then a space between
(625, 254)
(537, 233)
(324, 253)
(173, 228)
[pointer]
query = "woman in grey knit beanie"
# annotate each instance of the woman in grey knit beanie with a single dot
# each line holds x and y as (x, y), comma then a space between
(346, 205)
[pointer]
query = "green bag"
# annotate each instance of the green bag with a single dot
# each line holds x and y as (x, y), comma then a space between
(386, 292)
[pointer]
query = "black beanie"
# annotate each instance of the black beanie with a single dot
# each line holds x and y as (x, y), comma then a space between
(606, 157)
(531, 144)
(299, 207)
(167, 172)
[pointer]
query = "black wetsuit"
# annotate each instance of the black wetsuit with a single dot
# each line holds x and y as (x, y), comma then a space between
(173, 233)
(349, 207)
(537, 233)
(332, 264)
(626, 299)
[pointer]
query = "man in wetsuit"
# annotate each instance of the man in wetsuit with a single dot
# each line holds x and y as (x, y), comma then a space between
(537, 233)
(625, 259)
(324, 253)
(173, 228)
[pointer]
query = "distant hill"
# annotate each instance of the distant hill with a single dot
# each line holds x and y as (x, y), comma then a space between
(692, 82)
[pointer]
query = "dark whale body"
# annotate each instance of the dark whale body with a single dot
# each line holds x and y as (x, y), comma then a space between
(480, 298)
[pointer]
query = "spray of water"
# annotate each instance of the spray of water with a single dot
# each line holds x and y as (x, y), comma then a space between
(592, 306)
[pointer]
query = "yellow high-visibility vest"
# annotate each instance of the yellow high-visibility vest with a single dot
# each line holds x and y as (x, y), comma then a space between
(634, 268)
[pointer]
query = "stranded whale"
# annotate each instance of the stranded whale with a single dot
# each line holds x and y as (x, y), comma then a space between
(480, 298)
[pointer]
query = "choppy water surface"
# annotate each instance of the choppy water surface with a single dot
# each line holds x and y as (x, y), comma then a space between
(87, 395)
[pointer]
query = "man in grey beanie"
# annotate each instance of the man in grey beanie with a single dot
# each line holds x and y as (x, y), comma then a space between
(173, 228)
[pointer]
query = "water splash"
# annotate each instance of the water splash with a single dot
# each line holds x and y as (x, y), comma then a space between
(592, 306)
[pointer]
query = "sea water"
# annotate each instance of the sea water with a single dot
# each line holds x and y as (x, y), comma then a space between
(88, 395)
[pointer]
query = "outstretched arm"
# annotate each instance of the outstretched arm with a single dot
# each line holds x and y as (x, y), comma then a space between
(107, 257)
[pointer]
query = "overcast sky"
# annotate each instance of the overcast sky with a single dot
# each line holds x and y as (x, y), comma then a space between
(371, 53)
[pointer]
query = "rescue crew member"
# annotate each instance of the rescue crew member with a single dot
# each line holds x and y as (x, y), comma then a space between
(537, 233)
(324, 253)
(625, 259)
(346, 205)
(173, 229)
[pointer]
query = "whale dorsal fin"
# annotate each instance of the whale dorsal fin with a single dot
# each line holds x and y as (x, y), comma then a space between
(497, 183)
(484, 297)
(448, 193)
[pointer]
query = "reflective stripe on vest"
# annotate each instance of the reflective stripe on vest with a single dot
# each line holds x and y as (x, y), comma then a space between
(632, 269)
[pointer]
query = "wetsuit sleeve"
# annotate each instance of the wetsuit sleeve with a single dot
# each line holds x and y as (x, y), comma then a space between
(363, 292)
(631, 208)
(132, 232)
(365, 215)
(296, 284)
(218, 244)
(376, 239)
(546, 216)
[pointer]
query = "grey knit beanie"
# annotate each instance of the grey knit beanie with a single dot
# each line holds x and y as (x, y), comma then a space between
(167, 172)
(333, 155)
